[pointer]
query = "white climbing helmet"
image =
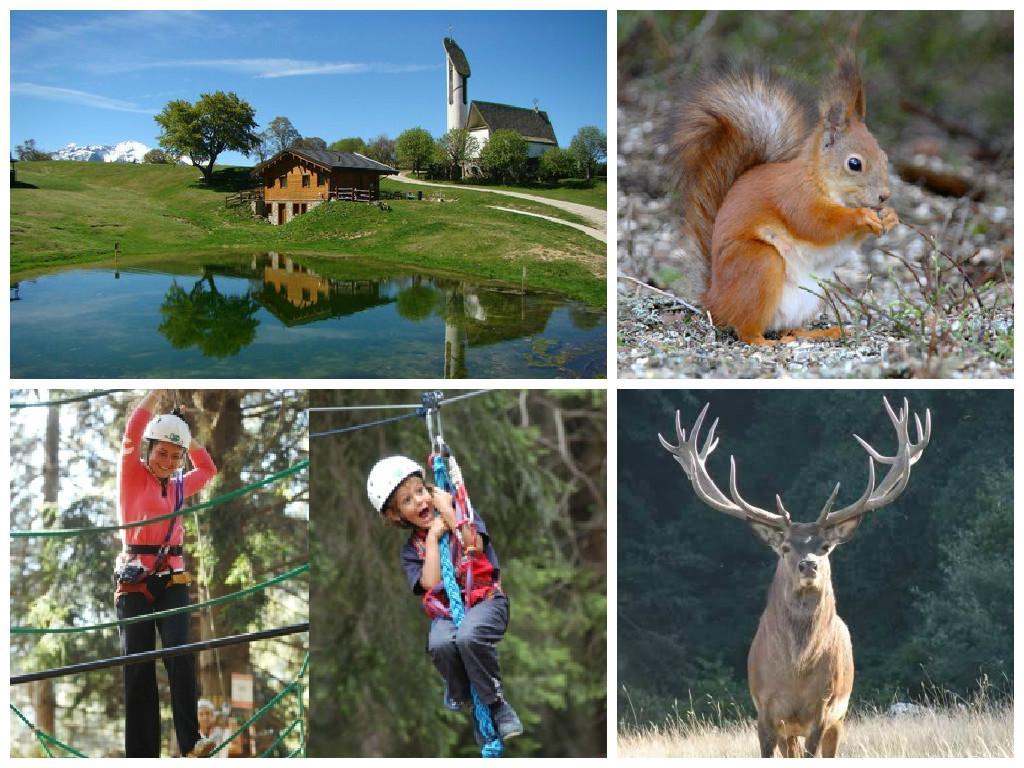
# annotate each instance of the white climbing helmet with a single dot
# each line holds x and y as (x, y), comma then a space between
(386, 475)
(168, 428)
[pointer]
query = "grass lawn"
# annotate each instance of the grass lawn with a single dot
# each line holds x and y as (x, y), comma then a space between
(594, 194)
(65, 213)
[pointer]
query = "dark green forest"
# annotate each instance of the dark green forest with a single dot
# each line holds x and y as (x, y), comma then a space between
(64, 461)
(534, 464)
(926, 585)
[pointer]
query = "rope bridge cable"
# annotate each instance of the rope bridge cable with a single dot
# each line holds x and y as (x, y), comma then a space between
(59, 533)
(67, 400)
(161, 614)
(295, 686)
(368, 424)
(44, 738)
(162, 653)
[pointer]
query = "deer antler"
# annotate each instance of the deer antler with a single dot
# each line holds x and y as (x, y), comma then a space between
(895, 480)
(692, 459)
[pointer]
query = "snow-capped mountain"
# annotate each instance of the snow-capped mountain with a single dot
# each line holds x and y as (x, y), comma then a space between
(122, 152)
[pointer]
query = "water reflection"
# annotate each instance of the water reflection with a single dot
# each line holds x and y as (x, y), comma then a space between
(364, 321)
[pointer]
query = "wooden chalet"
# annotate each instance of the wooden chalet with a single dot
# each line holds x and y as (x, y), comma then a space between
(296, 180)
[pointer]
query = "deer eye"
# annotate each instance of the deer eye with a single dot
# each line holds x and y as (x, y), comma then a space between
(854, 163)
(824, 549)
(785, 548)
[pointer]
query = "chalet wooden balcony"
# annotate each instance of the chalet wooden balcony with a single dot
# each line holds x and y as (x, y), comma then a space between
(352, 193)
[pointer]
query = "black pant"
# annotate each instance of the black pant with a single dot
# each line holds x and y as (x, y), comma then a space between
(141, 700)
(467, 654)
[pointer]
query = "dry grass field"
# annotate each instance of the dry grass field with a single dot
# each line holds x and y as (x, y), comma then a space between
(985, 731)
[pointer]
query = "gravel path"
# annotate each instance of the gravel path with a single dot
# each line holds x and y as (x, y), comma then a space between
(597, 218)
(595, 233)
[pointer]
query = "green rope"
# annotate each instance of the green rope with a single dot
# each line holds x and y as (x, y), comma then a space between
(44, 737)
(280, 737)
(160, 614)
(295, 684)
(62, 533)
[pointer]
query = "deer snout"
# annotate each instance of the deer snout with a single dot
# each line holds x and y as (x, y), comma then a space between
(807, 568)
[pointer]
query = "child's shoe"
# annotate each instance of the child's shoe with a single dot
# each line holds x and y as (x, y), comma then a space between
(506, 721)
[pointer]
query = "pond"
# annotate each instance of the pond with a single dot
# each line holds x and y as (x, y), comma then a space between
(268, 316)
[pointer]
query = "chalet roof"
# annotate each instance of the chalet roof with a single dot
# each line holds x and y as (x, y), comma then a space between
(457, 56)
(533, 124)
(332, 160)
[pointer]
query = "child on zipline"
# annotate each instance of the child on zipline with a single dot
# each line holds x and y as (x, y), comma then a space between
(464, 655)
(151, 577)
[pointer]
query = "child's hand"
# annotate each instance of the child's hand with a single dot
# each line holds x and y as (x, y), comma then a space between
(438, 528)
(443, 504)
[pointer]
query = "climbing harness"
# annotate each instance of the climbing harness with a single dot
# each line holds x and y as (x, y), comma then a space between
(453, 549)
(133, 576)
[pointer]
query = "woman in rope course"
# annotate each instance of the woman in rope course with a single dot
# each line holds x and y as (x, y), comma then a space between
(464, 655)
(150, 573)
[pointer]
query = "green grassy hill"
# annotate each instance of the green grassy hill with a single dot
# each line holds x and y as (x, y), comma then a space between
(65, 213)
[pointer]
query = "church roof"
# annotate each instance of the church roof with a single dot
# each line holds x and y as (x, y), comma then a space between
(533, 124)
(457, 56)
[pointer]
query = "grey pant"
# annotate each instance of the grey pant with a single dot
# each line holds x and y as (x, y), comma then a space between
(467, 655)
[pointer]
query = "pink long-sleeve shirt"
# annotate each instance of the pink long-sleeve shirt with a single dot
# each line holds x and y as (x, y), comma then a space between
(141, 496)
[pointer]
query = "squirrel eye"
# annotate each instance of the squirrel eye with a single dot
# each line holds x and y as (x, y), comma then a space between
(854, 164)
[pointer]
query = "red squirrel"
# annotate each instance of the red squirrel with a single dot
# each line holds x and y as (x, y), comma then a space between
(777, 194)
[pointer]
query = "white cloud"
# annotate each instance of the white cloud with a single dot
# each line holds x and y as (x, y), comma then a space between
(71, 96)
(267, 68)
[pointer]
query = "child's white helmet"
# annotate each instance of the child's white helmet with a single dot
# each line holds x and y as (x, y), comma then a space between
(168, 428)
(386, 475)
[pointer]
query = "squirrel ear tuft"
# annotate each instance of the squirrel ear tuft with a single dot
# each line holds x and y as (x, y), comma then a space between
(848, 85)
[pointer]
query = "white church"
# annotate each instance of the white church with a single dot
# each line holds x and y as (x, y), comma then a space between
(481, 118)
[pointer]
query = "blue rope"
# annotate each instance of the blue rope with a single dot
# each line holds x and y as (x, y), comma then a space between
(492, 744)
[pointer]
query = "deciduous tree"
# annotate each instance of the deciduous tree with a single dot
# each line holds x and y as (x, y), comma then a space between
(381, 149)
(504, 156)
(218, 122)
(589, 147)
(413, 148)
(351, 144)
(282, 133)
(457, 146)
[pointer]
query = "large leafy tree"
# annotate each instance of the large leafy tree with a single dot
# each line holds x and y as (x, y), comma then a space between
(218, 122)
(556, 164)
(457, 146)
(281, 133)
(589, 147)
(504, 156)
(414, 147)
(310, 142)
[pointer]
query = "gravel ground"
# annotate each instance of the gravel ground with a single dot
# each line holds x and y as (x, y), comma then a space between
(907, 311)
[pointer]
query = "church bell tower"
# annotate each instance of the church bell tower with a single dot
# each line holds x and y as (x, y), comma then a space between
(457, 93)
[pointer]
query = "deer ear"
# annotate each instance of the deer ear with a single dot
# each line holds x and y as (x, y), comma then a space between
(773, 537)
(843, 532)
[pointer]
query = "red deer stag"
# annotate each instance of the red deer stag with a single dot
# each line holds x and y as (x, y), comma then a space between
(800, 666)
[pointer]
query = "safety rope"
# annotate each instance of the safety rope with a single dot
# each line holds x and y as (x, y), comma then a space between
(62, 533)
(67, 400)
(161, 614)
(492, 743)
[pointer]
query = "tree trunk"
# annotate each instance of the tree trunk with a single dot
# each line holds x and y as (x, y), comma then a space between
(43, 698)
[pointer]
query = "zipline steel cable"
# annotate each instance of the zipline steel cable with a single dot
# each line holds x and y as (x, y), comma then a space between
(67, 400)
(420, 411)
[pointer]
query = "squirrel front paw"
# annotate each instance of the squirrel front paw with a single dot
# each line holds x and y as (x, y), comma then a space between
(889, 219)
(868, 218)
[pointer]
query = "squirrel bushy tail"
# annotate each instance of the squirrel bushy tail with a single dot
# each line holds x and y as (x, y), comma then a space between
(730, 123)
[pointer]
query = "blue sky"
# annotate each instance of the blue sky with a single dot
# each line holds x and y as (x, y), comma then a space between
(99, 77)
